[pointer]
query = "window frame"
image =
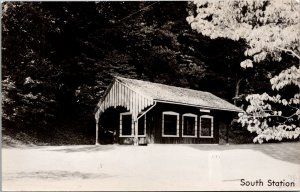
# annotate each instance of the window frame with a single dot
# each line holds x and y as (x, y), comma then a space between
(132, 125)
(212, 126)
(121, 125)
(177, 123)
(196, 125)
(144, 127)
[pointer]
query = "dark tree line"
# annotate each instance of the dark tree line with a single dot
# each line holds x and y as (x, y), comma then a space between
(59, 57)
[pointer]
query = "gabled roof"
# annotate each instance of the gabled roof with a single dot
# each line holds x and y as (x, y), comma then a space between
(171, 94)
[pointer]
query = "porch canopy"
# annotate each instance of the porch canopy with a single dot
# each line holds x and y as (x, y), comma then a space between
(136, 96)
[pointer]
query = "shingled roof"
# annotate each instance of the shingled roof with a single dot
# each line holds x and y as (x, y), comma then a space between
(165, 93)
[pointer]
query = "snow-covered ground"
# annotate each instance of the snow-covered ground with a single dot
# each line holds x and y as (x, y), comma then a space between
(153, 167)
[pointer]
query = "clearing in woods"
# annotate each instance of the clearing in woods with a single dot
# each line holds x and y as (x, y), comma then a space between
(152, 167)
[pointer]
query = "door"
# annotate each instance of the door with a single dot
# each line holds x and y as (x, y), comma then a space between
(142, 130)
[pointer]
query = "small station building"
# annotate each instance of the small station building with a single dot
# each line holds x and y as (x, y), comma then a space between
(141, 112)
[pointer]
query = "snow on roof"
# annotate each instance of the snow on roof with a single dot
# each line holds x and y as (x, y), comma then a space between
(165, 93)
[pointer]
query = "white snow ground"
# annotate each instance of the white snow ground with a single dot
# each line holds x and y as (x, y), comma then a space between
(152, 167)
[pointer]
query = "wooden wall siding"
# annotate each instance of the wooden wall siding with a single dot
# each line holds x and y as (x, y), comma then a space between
(119, 94)
(111, 117)
(154, 129)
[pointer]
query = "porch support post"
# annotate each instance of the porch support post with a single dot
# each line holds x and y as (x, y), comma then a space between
(135, 124)
(97, 127)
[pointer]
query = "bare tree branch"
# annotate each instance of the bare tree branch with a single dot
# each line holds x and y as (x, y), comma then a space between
(289, 51)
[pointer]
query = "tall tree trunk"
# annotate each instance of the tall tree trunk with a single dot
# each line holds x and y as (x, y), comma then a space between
(237, 90)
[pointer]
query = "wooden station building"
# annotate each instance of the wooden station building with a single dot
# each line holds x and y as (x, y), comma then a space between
(140, 112)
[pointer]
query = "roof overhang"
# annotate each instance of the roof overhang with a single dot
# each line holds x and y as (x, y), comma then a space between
(238, 110)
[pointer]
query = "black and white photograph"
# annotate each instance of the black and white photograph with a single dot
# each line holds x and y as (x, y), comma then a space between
(199, 95)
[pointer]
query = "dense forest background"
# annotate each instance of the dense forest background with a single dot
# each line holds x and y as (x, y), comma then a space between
(59, 57)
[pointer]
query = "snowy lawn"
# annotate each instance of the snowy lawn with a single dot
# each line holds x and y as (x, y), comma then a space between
(153, 167)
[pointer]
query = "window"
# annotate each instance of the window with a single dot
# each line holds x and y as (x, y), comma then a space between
(126, 125)
(206, 126)
(189, 125)
(142, 126)
(170, 124)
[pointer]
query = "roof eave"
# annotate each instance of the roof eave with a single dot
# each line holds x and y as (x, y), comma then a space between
(238, 110)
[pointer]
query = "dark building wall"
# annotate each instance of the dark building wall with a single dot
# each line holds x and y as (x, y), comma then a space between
(155, 128)
(111, 120)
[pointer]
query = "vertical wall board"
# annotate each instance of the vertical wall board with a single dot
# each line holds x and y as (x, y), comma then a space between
(130, 100)
(109, 99)
(117, 95)
(114, 96)
(136, 104)
(124, 96)
(120, 95)
(139, 103)
(134, 111)
(143, 103)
